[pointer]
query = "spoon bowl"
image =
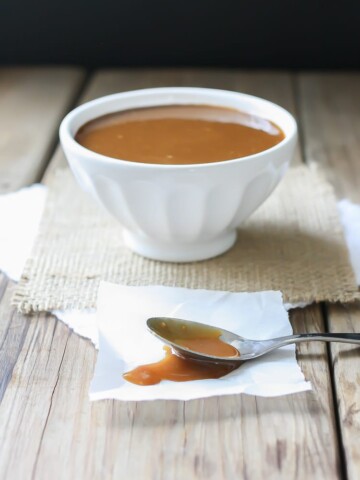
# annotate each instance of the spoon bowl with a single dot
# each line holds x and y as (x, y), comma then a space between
(203, 342)
(174, 332)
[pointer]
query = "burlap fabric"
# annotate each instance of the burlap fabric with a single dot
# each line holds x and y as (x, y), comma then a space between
(293, 243)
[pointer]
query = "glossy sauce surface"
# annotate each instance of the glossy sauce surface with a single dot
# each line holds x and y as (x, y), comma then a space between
(201, 339)
(195, 336)
(177, 369)
(179, 134)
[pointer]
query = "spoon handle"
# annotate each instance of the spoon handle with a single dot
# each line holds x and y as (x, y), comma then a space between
(324, 337)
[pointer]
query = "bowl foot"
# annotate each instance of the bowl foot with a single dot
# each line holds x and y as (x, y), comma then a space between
(179, 252)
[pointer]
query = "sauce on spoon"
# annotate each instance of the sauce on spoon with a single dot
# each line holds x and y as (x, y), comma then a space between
(201, 339)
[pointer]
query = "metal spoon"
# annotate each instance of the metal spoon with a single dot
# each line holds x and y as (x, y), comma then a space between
(247, 348)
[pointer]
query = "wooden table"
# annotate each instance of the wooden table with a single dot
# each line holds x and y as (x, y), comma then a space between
(49, 429)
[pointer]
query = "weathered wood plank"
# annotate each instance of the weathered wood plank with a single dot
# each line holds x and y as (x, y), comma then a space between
(13, 329)
(32, 103)
(329, 107)
(346, 365)
(27, 400)
(59, 433)
(330, 113)
(3, 284)
(229, 437)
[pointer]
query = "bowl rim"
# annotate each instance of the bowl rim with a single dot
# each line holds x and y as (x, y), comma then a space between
(67, 138)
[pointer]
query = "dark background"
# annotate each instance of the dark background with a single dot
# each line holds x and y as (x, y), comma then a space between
(258, 33)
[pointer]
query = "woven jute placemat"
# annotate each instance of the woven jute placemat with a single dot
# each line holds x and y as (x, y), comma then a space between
(293, 243)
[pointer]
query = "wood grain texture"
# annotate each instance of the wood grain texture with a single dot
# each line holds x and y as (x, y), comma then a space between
(330, 115)
(49, 428)
(27, 400)
(345, 360)
(32, 104)
(228, 437)
(13, 329)
(329, 108)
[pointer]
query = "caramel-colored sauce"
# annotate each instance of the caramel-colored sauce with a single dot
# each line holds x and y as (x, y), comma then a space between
(177, 369)
(179, 134)
(198, 338)
(195, 336)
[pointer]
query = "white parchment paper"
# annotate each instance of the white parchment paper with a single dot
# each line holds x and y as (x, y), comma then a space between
(125, 343)
(259, 315)
(20, 214)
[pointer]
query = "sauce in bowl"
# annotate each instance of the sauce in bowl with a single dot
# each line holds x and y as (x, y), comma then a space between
(179, 134)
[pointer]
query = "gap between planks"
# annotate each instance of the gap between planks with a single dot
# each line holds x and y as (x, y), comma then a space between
(330, 115)
(222, 444)
(54, 369)
(32, 103)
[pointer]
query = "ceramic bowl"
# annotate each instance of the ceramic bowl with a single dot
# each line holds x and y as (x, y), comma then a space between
(179, 213)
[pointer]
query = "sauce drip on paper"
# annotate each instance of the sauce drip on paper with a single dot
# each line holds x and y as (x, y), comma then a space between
(177, 369)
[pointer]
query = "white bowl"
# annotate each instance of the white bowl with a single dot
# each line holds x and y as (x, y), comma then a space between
(179, 213)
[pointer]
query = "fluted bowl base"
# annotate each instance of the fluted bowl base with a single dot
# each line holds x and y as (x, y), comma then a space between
(179, 252)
